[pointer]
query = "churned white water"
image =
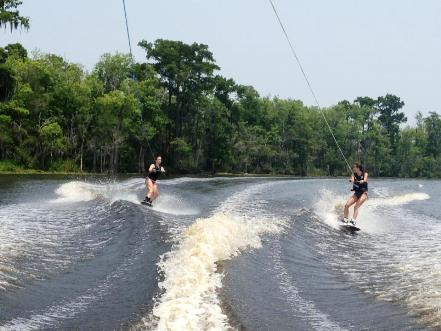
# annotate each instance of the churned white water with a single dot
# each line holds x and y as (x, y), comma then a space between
(191, 277)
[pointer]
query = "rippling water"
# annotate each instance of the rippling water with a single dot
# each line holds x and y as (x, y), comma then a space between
(217, 254)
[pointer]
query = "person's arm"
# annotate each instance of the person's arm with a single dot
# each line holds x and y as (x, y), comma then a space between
(162, 169)
(352, 180)
(152, 167)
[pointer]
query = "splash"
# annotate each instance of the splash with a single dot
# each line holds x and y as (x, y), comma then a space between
(77, 191)
(399, 199)
(191, 278)
(172, 204)
(329, 208)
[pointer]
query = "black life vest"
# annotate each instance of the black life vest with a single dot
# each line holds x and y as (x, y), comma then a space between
(356, 186)
(155, 173)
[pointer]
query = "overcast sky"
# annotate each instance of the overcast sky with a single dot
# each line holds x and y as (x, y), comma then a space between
(349, 48)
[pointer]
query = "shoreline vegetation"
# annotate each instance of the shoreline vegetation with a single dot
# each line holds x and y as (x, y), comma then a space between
(21, 171)
(56, 117)
(37, 172)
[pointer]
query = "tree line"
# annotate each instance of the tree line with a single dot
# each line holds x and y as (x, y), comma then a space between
(54, 115)
(57, 116)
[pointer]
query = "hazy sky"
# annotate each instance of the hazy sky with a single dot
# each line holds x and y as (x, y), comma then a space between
(349, 48)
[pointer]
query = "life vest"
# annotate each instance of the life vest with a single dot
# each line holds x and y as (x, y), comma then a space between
(356, 186)
(155, 173)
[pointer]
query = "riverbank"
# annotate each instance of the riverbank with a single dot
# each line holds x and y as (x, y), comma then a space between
(42, 172)
(36, 172)
(8, 168)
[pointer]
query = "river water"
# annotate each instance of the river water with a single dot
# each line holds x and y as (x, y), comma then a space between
(218, 254)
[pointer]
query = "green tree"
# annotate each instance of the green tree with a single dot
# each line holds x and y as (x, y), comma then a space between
(113, 70)
(56, 115)
(432, 125)
(7, 80)
(9, 15)
(217, 134)
(390, 116)
(186, 73)
(153, 119)
(117, 114)
(52, 139)
(409, 155)
(291, 134)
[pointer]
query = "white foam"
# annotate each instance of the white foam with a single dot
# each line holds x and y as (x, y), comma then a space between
(190, 300)
(401, 265)
(77, 191)
(191, 278)
(329, 208)
(171, 204)
(399, 199)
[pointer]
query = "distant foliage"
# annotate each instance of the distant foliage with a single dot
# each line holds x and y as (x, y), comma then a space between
(10, 16)
(56, 116)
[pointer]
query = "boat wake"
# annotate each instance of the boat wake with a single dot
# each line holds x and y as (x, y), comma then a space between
(329, 209)
(191, 278)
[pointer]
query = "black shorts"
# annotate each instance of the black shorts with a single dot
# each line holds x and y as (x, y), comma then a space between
(359, 193)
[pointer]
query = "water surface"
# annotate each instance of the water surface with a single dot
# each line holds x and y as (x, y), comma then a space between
(217, 253)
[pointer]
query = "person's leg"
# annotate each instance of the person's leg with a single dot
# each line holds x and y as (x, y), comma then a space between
(360, 201)
(150, 188)
(154, 190)
(349, 203)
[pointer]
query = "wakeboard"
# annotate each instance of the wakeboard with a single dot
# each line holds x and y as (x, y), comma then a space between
(348, 227)
(145, 203)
